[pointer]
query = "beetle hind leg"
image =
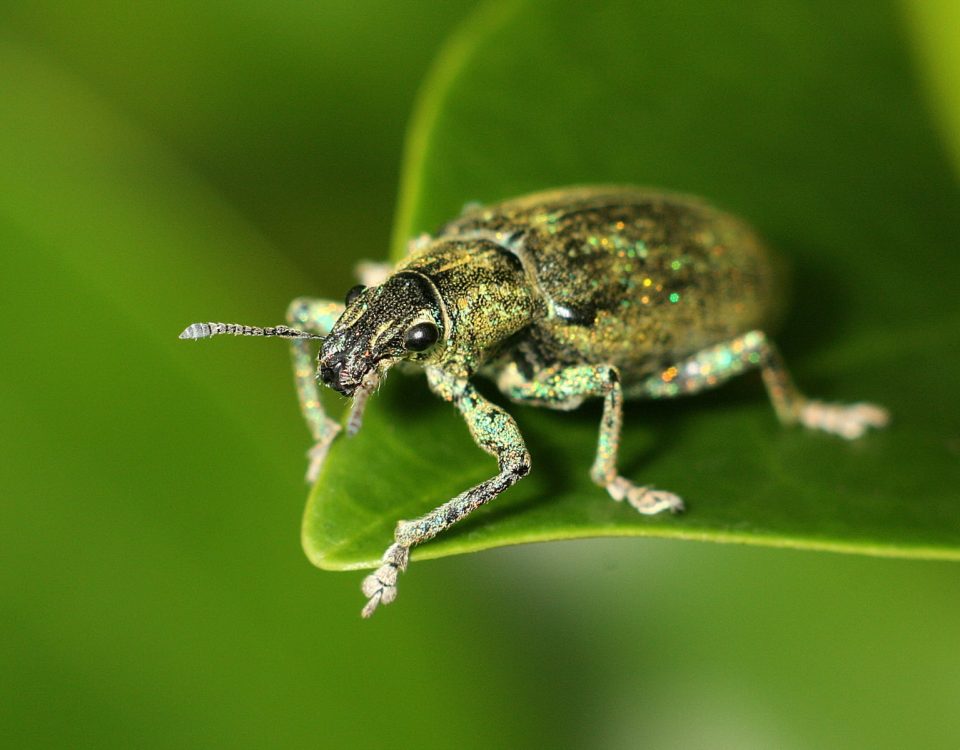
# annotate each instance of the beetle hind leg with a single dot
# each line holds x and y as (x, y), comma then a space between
(719, 363)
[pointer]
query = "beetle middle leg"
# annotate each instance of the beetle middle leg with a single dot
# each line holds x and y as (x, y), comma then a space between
(566, 388)
(495, 432)
(315, 316)
(719, 363)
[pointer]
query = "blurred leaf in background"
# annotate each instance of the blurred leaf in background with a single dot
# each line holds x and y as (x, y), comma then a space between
(935, 25)
(162, 163)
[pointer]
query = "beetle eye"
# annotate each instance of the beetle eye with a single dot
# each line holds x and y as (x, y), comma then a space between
(353, 293)
(421, 337)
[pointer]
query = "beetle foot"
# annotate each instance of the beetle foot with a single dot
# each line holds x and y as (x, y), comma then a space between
(318, 453)
(849, 421)
(645, 499)
(380, 587)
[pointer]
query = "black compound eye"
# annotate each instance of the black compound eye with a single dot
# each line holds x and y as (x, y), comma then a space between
(421, 337)
(353, 293)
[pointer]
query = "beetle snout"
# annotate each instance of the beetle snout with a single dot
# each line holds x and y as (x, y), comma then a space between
(330, 373)
(333, 375)
(331, 370)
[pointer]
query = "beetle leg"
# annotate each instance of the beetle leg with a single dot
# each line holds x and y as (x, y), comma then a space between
(372, 273)
(495, 432)
(315, 316)
(566, 388)
(716, 364)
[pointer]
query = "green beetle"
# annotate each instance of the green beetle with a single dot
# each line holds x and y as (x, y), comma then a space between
(610, 292)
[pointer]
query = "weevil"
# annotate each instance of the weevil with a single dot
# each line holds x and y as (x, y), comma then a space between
(587, 292)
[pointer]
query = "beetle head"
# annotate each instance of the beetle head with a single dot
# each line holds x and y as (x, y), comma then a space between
(400, 319)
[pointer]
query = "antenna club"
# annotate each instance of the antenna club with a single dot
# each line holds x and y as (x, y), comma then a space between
(197, 331)
(206, 330)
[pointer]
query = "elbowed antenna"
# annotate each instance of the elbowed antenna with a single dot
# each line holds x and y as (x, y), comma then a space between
(206, 330)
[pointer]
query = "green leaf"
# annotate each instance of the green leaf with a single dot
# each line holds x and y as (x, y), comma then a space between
(805, 118)
(935, 24)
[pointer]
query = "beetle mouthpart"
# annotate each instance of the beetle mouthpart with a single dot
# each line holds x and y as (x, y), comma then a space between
(361, 394)
(331, 375)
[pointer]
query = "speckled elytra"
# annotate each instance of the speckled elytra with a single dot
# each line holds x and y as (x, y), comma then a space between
(608, 292)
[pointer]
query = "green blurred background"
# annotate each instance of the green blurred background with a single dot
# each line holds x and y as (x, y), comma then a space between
(170, 162)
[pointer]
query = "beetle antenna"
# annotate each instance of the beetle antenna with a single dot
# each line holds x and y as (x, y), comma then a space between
(206, 330)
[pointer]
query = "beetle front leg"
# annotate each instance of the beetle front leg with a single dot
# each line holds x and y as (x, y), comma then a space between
(566, 388)
(495, 432)
(315, 316)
